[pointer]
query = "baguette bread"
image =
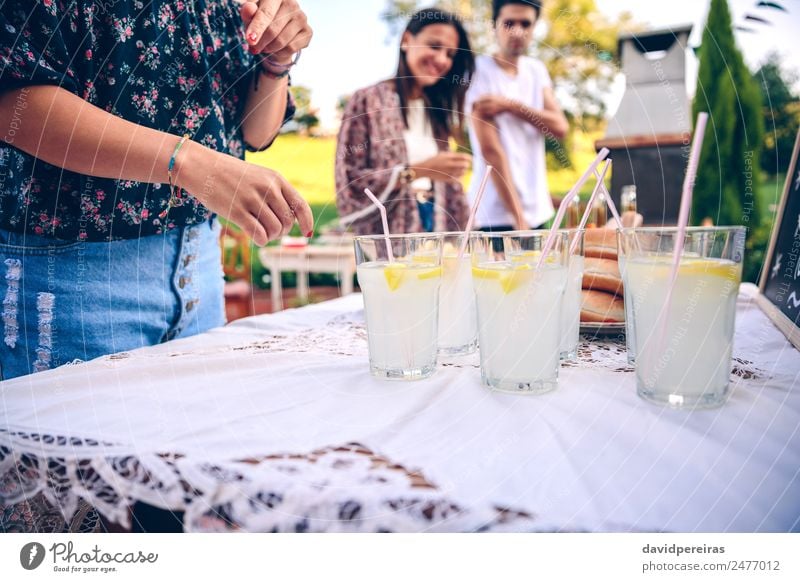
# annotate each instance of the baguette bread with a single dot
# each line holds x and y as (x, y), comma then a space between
(601, 243)
(600, 307)
(602, 275)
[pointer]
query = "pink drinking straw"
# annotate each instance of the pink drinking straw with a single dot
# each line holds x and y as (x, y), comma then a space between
(597, 188)
(473, 212)
(385, 221)
(562, 209)
(683, 217)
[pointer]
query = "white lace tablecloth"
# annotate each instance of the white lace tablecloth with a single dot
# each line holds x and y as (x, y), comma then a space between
(229, 427)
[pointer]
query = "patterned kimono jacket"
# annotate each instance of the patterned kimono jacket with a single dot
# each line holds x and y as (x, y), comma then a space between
(371, 153)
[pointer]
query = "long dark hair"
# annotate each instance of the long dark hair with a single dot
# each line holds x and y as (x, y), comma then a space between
(444, 101)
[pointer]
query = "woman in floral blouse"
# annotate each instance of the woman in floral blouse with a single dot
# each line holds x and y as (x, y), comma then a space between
(98, 253)
(395, 135)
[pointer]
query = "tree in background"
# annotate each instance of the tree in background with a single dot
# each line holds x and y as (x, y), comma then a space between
(781, 114)
(727, 184)
(305, 118)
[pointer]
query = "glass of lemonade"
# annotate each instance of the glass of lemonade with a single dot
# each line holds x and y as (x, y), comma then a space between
(401, 303)
(571, 308)
(630, 338)
(458, 318)
(519, 309)
(683, 350)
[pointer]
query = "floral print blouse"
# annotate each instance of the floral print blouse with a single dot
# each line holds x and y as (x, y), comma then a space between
(178, 66)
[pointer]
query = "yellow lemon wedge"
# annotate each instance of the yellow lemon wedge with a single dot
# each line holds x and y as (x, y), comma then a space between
(481, 273)
(394, 273)
(430, 273)
(509, 278)
(525, 256)
(512, 279)
(722, 269)
(531, 257)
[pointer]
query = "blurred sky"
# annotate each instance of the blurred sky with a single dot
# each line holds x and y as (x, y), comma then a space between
(352, 47)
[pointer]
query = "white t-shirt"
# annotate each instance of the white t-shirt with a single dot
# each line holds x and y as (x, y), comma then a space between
(523, 143)
(420, 143)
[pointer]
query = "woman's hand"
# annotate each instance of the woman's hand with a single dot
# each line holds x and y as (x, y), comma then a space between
(276, 27)
(447, 166)
(258, 200)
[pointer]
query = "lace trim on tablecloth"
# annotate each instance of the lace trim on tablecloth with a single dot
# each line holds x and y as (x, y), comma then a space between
(346, 335)
(341, 489)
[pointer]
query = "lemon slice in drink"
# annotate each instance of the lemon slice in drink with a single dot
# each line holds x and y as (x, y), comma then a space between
(482, 273)
(525, 256)
(723, 269)
(394, 273)
(429, 273)
(512, 279)
(509, 278)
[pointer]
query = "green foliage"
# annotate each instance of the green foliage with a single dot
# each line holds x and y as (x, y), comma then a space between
(728, 175)
(781, 113)
(306, 115)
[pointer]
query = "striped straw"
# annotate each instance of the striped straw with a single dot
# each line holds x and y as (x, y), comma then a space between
(385, 221)
(474, 211)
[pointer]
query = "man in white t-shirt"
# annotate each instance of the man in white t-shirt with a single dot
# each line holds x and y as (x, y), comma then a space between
(513, 110)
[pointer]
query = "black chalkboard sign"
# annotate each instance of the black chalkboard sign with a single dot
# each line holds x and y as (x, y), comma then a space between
(780, 277)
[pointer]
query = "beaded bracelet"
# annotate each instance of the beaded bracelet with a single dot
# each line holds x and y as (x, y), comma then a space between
(175, 198)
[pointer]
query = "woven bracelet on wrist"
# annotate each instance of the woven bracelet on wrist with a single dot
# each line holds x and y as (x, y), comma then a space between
(175, 195)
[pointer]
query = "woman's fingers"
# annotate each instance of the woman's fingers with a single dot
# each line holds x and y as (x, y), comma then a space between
(251, 227)
(285, 20)
(299, 42)
(280, 208)
(261, 21)
(294, 36)
(300, 209)
(247, 11)
(265, 216)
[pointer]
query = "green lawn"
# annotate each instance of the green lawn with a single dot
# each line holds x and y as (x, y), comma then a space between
(306, 162)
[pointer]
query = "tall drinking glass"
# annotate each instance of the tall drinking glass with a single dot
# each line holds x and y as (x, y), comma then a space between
(571, 309)
(683, 349)
(630, 338)
(401, 303)
(458, 318)
(519, 309)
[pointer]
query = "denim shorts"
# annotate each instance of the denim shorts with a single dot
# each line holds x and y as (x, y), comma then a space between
(65, 301)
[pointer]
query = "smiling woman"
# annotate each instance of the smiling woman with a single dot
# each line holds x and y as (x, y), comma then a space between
(395, 135)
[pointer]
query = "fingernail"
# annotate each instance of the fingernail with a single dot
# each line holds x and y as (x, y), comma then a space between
(253, 37)
(309, 234)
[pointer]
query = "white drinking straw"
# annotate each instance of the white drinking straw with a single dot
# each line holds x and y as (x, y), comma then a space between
(597, 188)
(385, 220)
(562, 209)
(473, 212)
(683, 216)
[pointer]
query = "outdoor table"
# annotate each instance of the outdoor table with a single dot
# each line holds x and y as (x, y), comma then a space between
(339, 259)
(273, 423)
